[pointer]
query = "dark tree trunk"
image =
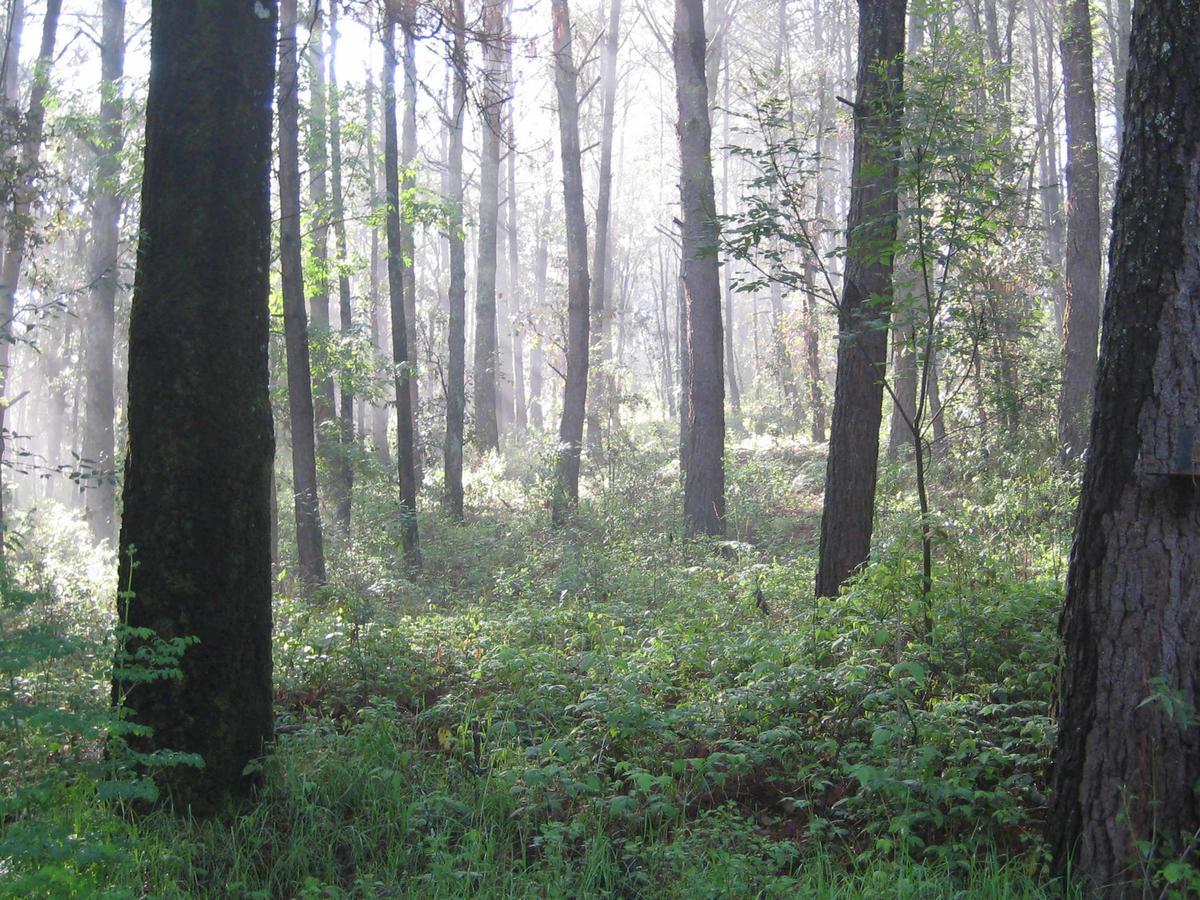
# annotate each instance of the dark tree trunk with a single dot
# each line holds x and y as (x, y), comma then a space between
(98, 442)
(405, 451)
(570, 431)
(309, 541)
(1082, 319)
(487, 426)
(18, 218)
(456, 376)
(198, 472)
(408, 156)
(1127, 761)
(601, 327)
(324, 406)
(344, 470)
(704, 472)
(849, 510)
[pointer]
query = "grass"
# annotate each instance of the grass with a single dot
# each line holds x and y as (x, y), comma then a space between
(605, 711)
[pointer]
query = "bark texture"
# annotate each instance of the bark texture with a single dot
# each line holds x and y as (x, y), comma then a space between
(863, 314)
(1127, 766)
(198, 471)
(704, 454)
(570, 431)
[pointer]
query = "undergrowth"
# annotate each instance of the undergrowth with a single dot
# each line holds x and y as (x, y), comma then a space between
(604, 711)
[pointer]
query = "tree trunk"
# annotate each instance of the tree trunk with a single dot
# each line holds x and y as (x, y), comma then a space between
(99, 445)
(456, 376)
(309, 541)
(405, 451)
(324, 407)
(487, 427)
(198, 473)
(379, 415)
(520, 413)
(904, 386)
(731, 368)
(704, 474)
(18, 217)
(685, 371)
(344, 470)
(570, 431)
(601, 327)
(537, 355)
(408, 247)
(1082, 319)
(849, 509)
(1127, 762)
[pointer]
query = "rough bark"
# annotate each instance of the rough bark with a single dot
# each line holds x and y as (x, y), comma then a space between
(850, 475)
(98, 441)
(198, 471)
(570, 431)
(1127, 761)
(704, 472)
(456, 374)
(487, 427)
(309, 539)
(1081, 322)
(405, 451)
(25, 192)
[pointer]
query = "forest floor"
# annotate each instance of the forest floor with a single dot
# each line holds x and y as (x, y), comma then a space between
(606, 710)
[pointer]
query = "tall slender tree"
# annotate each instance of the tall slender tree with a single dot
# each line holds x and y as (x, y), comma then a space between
(1127, 761)
(849, 509)
(520, 411)
(1082, 320)
(198, 472)
(324, 399)
(310, 545)
(344, 467)
(601, 325)
(456, 363)
(18, 218)
(99, 445)
(704, 455)
(492, 92)
(570, 431)
(405, 449)
(408, 158)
